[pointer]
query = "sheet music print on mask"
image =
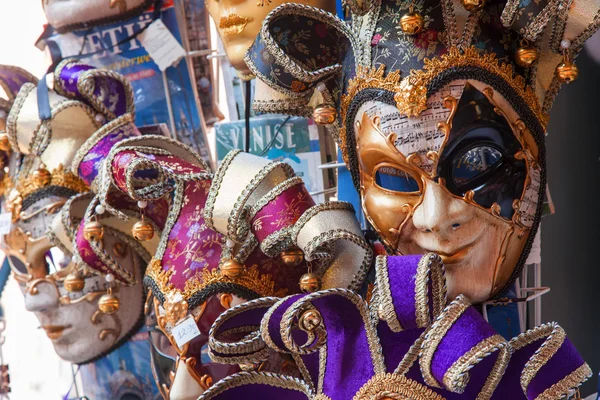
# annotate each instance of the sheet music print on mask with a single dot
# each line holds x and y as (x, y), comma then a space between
(416, 134)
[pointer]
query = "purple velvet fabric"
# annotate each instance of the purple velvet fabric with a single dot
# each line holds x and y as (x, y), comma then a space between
(401, 273)
(466, 332)
(395, 345)
(565, 361)
(250, 317)
(262, 392)
(275, 320)
(349, 364)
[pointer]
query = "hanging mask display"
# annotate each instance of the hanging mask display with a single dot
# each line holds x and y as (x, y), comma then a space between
(75, 286)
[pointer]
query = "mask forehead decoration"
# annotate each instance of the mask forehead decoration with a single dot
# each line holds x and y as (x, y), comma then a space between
(440, 112)
(73, 282)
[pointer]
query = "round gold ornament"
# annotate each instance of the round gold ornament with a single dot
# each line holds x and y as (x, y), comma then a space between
(292, 257)
(567, 71)
(232, 269)
(4, 143)
(309, 320)
(411, 23)
(93, 231)
(526, 55)
(310, 282)
(142, 231)
(473, 5)
(74, 282)
(42, 176)
(109, 303)
(324, 114)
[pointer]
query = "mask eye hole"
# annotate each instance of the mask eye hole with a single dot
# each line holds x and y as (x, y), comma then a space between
(396, 180)
(475, 163)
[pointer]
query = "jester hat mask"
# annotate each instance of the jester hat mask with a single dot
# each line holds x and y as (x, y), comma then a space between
(439, 114)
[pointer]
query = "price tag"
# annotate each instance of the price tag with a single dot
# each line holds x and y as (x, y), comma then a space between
(161, 45)
(185, 331)
(5, 223)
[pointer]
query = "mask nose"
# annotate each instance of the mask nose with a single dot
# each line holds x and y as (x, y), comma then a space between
(41, 296)
(440, 213)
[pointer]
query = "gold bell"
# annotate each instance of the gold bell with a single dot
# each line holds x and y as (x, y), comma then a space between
(292, 257)
(93, 231)
(109, 303)
(412, 22)
(232, 269)
(309, 320)
(42, 176)
(74, 282)
(526, 55)
(567, 71)
(4, 143)
(310, 282)
(324, 114)
(473, 5)
(142, 231)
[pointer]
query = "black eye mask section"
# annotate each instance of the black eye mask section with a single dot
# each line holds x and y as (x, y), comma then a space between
(480, 155)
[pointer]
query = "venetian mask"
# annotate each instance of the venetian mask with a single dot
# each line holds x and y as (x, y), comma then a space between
(238, 23)
(47, 274)
(461, 180)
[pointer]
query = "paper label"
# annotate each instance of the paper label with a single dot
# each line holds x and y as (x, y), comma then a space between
(185, 331)
(5, 223)
(161, 45)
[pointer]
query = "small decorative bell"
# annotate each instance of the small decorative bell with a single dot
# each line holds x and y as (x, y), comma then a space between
(412, 22)
(324, 114)
(526, 55)
(292, 257)
(473, 5)
(309, 320)
(567, 71)
(310, 282)
(109, 303)
(42, 176)
(232, 269)
(74, 282)
(142, 231)
(4, 143)
(93, 231)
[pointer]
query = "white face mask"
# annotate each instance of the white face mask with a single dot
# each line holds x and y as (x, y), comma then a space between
(72, 320)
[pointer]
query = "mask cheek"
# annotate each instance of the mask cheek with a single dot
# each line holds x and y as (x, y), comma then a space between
(386, 211)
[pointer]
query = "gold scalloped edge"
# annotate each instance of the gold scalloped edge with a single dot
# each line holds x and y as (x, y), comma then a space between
(391, 385)
(251, 278)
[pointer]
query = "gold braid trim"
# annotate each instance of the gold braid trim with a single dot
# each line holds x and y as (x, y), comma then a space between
(397, 387)
(562, 387)
(251, 278)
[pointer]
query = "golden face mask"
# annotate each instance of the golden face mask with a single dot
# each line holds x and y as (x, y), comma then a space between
(238, 24)
(461, 180)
